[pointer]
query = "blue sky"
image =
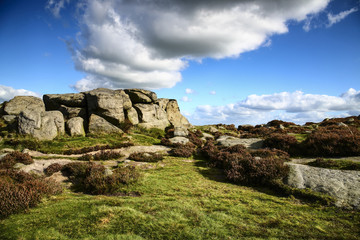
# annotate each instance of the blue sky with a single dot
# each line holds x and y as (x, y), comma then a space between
(225, 62)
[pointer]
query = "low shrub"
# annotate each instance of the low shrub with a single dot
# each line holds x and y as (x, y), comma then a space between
(193, 138)
(53, 168)
(86, 157)
(92, 178)
(20, 191)
(166, 142)
(335, 164)
(15, 157)
(284, 142)
(270, 153)
(146, 157)
(333, 141)
(183, 150)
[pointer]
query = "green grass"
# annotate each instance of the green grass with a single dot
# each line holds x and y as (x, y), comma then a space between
(300, 137)
(336, 164)
(144, 140)
(181, 200)
(61, 144)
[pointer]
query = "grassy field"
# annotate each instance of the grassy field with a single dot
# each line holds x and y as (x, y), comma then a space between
(181, 199)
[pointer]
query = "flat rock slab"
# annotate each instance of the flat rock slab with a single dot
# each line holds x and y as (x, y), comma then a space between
(343, 185)
(39, 166)
(228, 141)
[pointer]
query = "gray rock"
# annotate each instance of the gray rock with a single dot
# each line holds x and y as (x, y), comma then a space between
(43, 126)
(106, 103)
(132, 116)
(181, 140)
(206, 135)
(180, 132)
(228, 141)
(127, 104)
(98, 125)
(72, 112)
(162, 102)
(19, 165)
(212, 130)
(9, 118)
(344, 186)
(75, 126)
(151, 116)
(54, 101)
(174, 115)
(141, 96)
(21, 103)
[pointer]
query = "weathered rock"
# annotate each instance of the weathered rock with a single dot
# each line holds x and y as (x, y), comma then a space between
(54, 101)
(162, 102)
(212, 130)
(344, 186)
(72, 112)
(43, 126)
(106, 103)
(151, 116)
(141, 96)
(127, 104)
(98, 124)
(21, 103)
(228, 141)
(174, 115)
(206, 135)
(181, 140)
(180, 132)
(132, 116)
(9, 118)
(75, 126)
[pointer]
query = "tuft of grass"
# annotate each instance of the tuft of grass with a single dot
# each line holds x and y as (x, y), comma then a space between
(144, 140)
(182, 200)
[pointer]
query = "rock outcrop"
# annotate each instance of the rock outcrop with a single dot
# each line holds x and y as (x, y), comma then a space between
(343, 185)
(97, 111)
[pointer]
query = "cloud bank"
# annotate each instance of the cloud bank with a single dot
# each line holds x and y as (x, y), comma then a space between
(127, 43)
(296, 107)
(7, 93)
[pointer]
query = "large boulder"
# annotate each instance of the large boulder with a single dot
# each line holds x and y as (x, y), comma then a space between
(132, 116)
(72, 112)
(174, 115)
(75, 126)
(228, 141)
(151, 116)
(43, 126)
(21, 103)
(127, 104)
(54, 101)
(343, 185)
(141, 96)
(106, 103)
(98, 125)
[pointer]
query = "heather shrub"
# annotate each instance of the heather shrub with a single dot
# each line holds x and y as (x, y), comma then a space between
(166, 142)
(183, 150)
(53, 168)
(86, 157)
(146, 157)
(92, 178)
(193, 138)
(209, 150)
(282, 142)
(20, 191)
(169, 132)
(270, 153)
(15, 157)
(333, 141)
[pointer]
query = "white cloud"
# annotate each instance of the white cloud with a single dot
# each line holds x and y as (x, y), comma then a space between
(340, 16)
(212, 93)
(186, 99)
(189, 91)
(296, 107)
(7, 93)
(147, 44)
(55, 6)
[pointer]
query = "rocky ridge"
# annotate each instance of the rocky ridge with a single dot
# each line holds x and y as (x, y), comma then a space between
(97, 111)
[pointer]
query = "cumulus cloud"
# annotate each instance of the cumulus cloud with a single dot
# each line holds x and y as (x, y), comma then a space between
(335, 18)
(186, 99)
(55, 7)
(296, 107)
(189, 91)
(7, 93)
(124, 43)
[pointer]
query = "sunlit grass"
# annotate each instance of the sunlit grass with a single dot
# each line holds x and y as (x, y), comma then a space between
(181, 199)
